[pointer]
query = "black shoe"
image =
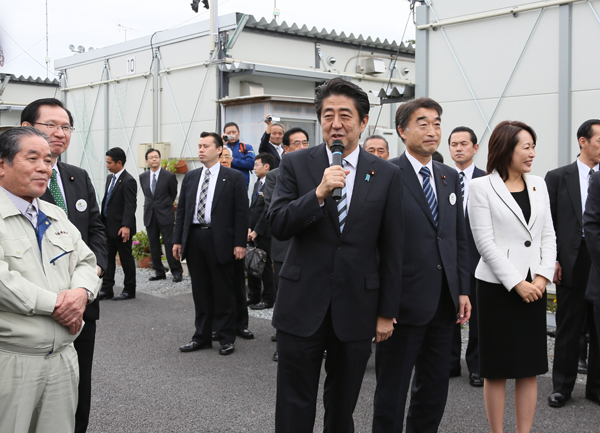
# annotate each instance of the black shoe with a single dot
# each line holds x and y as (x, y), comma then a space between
(262, 305)
(194, 345)
(274, 337)
(582, 367)
(245, 334)
(214, 336)
(252, 301)
(226, 349)
(178, 279)
(124, 296)
(104, 295)
(475, 380)
(276, 356)
(455, 372)
(592, 397)
(157, 277)
(556, 399)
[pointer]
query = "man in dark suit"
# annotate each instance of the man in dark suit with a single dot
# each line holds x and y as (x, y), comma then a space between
(259, 233)
(568, 191)
(591, 225)
(463, 147)
(294, 139)
(340, 283)
(210, 232)
(75, 194)
(271, 140)
(435, 280)
(118, 215)
(160, 189)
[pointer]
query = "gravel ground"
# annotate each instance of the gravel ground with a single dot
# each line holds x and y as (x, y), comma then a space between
(142, 383)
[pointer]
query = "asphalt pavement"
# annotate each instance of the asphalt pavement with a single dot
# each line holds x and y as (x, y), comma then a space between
(143, 383)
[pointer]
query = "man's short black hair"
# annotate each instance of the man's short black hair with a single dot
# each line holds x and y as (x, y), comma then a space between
(464, 129)
(10, 141)
(340, 87)
(31, 113)
(408, 108)
(117, 154)
(218, 140)
(266, 158)
(228, 124)
(586, 129)
(149, 151)
(286, 136)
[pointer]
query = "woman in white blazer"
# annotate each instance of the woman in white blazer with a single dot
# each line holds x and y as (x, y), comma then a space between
(509, 212)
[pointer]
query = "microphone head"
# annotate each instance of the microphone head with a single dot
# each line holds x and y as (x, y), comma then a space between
(337, 146)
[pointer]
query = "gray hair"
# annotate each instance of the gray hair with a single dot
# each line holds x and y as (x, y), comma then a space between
(387, 145)
(10, 141)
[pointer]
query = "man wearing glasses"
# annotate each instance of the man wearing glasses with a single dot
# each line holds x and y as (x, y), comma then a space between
(71, 189)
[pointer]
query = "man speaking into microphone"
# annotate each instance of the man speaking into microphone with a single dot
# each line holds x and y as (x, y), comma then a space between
(339, 286)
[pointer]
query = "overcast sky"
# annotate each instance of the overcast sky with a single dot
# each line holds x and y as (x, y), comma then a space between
(96, 23)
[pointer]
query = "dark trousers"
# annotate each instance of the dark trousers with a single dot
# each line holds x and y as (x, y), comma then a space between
(154, 230)
(427, 349)
(114, 246)
(212, 289)
(472, 354)
(254, 284)
(571, 312)
(276, 270)
(595, 336)
(84, 345)
(241, 306)
(298, 371)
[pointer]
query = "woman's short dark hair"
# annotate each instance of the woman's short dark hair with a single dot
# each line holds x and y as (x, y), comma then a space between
(502, 145)
(341, 87)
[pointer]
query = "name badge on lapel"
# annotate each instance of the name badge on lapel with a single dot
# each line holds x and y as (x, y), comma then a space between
(81, 205)
(452, 199)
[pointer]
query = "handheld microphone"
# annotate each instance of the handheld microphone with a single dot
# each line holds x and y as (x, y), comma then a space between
(337, 148)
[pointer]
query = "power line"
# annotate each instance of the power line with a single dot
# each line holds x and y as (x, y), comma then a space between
(16, 43)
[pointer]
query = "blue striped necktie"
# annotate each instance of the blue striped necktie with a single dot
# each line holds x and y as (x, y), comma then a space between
(429, 195)
(342, 205)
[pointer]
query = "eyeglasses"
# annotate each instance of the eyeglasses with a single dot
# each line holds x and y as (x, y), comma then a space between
(226, 157)
(52, 126)
(299, 143)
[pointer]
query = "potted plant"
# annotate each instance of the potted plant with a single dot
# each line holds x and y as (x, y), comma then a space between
(169, 164)
(140, 249)
(181, 166)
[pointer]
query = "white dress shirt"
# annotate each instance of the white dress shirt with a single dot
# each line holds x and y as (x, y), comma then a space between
(584, 181)
(58, 180)
(212, 183)
(351, 164)
(278, 148)
(417, 166)
(466, 180)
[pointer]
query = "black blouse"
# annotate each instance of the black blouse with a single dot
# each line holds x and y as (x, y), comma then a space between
(522, 199)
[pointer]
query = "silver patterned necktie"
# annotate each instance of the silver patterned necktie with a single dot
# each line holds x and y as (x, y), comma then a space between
(203, 195)
(153, 185)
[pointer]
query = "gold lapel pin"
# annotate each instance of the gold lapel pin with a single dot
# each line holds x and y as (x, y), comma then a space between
(534, 188)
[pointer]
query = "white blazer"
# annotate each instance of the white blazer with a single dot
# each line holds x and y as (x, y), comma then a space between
(509, 246)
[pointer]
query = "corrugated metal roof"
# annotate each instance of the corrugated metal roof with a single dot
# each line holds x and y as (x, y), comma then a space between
(324, 34)
(30, 79)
